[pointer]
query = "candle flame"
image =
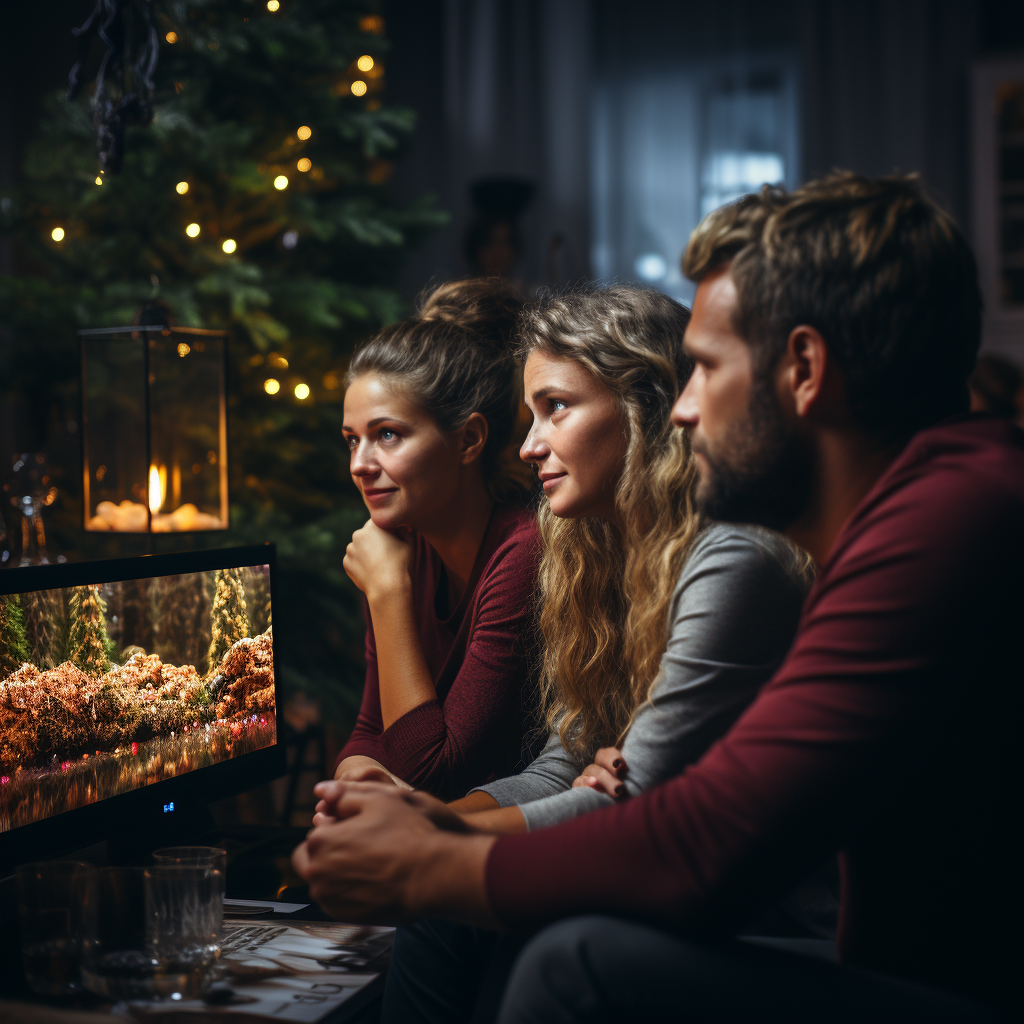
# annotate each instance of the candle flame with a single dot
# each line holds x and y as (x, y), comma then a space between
(157, 487)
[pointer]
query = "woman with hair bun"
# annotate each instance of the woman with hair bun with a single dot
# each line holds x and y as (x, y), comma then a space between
(447, 561)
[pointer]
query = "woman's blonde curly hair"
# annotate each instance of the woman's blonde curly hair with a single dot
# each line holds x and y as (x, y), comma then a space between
(605, 595)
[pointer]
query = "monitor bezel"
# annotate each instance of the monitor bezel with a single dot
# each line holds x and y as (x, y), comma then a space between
(117, 815)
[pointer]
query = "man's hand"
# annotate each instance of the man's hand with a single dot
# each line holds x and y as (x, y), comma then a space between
(377, 561)
(606, 774)
(386, 860)
(443, 816)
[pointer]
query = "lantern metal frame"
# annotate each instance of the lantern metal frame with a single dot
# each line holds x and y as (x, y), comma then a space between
(144, 334)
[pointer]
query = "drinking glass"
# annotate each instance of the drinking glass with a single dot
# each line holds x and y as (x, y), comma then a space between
(115, 962)
(56, 903)
(184, 915)
(215, 857)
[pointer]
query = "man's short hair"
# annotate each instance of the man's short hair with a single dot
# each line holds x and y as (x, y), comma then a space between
(884, 275)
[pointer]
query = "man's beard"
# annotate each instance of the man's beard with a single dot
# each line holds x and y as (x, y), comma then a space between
(762, 472)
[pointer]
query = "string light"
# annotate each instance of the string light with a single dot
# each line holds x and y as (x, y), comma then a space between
(358, 88)
(304, 164)
(273, 5)
(181, 188)
(171, 37)
(99, 180)
(192, 230)
(301, 391)
(229, 245)
(57, 234)
(280, 183)
(183, 349)
(290, 239)
(365, 62)
(304, 132)
(271, 386)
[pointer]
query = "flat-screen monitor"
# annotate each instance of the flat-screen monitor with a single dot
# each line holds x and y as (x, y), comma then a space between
(132, 692)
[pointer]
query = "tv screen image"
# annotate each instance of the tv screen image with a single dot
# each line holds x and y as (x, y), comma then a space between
(107, 688)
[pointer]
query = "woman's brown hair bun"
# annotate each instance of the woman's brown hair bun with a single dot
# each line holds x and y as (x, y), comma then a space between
(483, 304)
(455, 357)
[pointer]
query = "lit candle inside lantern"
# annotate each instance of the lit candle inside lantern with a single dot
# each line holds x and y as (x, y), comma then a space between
(157, 487)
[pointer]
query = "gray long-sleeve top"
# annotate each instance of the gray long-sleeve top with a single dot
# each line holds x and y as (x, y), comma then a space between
(732, 619)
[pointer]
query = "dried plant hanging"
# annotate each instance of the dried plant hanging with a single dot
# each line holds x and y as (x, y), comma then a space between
(124, 86)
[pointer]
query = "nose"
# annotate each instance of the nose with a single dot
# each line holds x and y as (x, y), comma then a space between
(685, 412)
(534, 448)
(362, 461)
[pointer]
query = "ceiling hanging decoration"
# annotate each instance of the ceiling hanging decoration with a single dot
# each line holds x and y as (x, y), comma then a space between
(124, 79)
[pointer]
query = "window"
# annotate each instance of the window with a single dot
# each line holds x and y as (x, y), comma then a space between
(672, 146)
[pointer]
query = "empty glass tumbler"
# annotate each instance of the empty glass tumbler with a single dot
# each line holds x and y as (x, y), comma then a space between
(56, 902)
(184, 907)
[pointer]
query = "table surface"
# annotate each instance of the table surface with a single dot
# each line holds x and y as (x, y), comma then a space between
(257, 867)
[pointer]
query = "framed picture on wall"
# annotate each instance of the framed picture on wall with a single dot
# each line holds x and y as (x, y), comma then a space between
(998, 200)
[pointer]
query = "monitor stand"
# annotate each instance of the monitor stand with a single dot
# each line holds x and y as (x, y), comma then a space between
(172, 826)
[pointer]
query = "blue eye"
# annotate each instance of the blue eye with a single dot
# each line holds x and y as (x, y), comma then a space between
(387, 435)
(557, 405)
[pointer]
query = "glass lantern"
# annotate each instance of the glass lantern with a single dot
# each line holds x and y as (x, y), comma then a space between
(154, 429)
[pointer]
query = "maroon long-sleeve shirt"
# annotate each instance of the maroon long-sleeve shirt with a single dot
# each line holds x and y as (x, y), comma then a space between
(481, 660)
(890, 733)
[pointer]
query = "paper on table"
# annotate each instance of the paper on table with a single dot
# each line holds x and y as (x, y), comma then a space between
(278, 908)
(296, 972)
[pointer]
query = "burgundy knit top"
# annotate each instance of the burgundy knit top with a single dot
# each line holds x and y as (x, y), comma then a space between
(481, 658)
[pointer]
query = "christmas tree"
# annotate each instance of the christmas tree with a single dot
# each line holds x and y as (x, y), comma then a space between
(44, 612)
(229, 621)
(181, 620)
(14, 651)
(257, 200)
(91, 645)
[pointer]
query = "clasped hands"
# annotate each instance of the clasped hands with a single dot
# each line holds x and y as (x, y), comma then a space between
(389, 855)
(386, 855)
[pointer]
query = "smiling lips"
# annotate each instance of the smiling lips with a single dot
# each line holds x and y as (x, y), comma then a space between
(550, 480)
(378, 493)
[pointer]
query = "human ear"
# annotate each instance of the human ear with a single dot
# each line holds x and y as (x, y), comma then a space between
(472, 438)
(807, 365)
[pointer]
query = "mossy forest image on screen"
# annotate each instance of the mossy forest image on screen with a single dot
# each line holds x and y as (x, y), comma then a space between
(106, 688)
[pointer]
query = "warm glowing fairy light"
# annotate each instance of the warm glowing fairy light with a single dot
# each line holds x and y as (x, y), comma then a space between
(57, 234)
(99, 180)
(304, 164)
(365, 63)
(304, 132)
(229, 245)
(183, 349)
(181, 188)
(358, 88)
(280, 183)
(192, 230)
(301, 391)
(273, 5)
(271, 386)
(171, 37)
(157, 487)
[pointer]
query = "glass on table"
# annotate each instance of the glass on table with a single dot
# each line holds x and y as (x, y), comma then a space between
(214, 856)
(116, 962)
(56, 902)
(184, 915)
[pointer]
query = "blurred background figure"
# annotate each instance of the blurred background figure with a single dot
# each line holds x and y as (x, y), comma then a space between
(493, 242)
(997, 386)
